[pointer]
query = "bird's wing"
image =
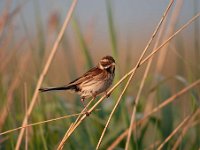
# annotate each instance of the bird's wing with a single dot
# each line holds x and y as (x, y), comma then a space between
(88, 76)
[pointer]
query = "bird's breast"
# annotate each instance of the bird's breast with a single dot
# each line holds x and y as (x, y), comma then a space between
(95, 87)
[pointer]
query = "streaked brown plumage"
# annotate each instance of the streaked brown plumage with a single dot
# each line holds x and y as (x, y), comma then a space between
(95, 81)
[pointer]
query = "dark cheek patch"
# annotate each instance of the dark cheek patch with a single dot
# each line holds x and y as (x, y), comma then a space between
(111, 69)
(114, 70)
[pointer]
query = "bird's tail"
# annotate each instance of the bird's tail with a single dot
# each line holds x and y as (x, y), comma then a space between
(71, 87)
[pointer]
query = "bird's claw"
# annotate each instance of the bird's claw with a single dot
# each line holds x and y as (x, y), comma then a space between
(87, 113)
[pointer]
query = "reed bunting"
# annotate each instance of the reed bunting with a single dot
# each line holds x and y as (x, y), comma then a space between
(94, 82)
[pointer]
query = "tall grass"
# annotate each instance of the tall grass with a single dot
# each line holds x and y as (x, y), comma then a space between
(171, 122)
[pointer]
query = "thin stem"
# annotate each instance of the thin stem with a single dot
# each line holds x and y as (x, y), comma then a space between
(41, 122)
(44, 71)
(183, 132)
(137, 99)
(159, 107)
(174, 132)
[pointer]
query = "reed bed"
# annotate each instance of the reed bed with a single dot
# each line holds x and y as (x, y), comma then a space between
(154, 103)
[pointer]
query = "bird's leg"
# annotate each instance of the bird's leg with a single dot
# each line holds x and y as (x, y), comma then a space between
(82, 100)
(107, 94)
(94, 95)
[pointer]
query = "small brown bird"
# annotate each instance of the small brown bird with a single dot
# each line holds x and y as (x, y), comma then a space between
(94, 82)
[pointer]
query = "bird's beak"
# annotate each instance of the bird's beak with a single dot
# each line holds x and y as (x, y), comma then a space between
(111, 65)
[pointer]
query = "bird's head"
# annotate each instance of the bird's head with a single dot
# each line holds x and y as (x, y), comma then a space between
(107, 63)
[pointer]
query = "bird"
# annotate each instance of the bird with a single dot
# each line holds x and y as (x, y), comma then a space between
(95, 81)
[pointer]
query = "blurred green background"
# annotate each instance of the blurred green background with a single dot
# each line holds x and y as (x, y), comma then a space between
(28, 30)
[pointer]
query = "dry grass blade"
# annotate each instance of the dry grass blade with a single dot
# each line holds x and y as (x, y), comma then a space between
(49, 60)
(61, 145)
(7, 17)
(172, 24)
(174, 132)
(82, 112)
(137, 99)
(152, 146)
(41, 122)
(185, 129)
(14, 84)
(130, 72)
(165, 103)
(70, 131)
(111, 114)
(74, 123)
(26, 104)
(72, 126)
